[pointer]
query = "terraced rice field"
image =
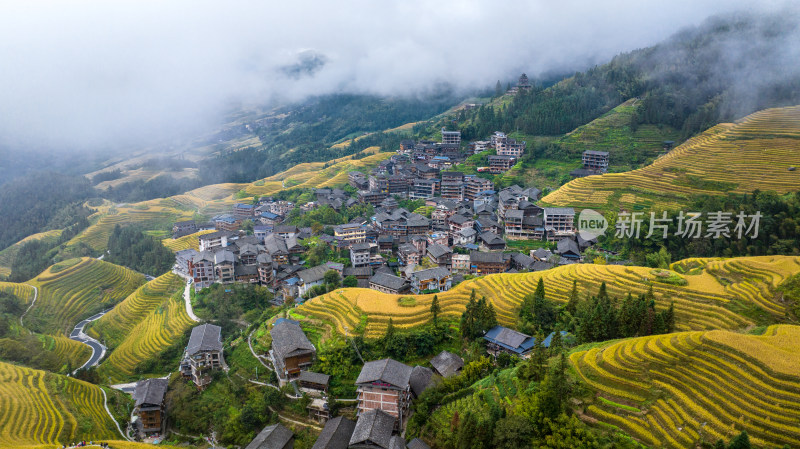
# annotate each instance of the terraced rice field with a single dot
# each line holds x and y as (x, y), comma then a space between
(164, 324)
(754, 153)
(74, 293)
(706, 301)
(37, 407)
(70, 352)
(315, 174)
(694, 386)
(186, 242)
(115, 444)
(21, 291)
(7, 255)
(117, 324)
(148, 215)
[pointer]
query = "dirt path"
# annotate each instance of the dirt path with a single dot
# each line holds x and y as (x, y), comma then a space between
(35, 295)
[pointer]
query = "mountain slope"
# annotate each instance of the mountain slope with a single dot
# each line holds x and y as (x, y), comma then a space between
(678, 389)
(74, 289)
(757, 152)
(37, 407)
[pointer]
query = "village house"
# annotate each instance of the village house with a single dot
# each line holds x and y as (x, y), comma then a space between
(440, 255)
(203, 354)
(218, 239)
(501, 164)
(491, 262)
(365, 255)
(568, 249)
(487, 225)
(408, 254)
(490, 241)
(447, 364)
(388, 283)
(311, 277)
(291, 351)
(183, 228)
(350, 233)
(560, 220)
(460, 263)
(313, 381)
(474, 185)
(149, 406)
(384, 385)
(435, 279)
(597, 161)
(502, 339)
(336, 434)
(276, 436)
(464, 236)
(373, 430)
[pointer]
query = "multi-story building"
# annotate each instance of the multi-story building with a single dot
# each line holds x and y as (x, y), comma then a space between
(453, 190)
(358, 180)
(440, 255)
(460, 263)
(217, 239)
(479, 146)
(474, 185)
(243, 211)
(501, 164)
(373, 197)
(203, 354)
(266, 272)
(438, 278)
(364, 254)
(451, 138)
(350, 233)
(291, 352)
(384, 385)
(510, 147)
(388, 283)
(425, 188)
(560, 220)
(595, 160)
(408, 254)
(482, 262)
(148, 397)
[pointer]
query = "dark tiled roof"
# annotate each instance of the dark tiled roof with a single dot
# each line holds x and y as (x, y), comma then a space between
(559, 211)
(447, 363)
(287, 337)
(568, 245)
(416, 443)
(374, 426)
(206, 337)
(314, 378)
(336, 434)
(357, 271)
(438, 250)
(486, 257)
(150, 391)
(420, 379)
(313, 274)
(397, 442)
(389, 281)
(389, 371)
(272, 437)
(510, 339)
(431, 273)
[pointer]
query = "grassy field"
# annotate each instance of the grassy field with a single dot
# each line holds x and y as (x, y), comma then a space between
(723, 294)
(7, 255)
(160, 321)
(754, 153)
(74, 289)
(37, 407)
(695, 386)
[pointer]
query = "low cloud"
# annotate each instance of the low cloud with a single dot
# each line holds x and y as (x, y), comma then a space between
(90, 74)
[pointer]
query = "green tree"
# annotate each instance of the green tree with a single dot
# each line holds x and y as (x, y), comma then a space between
(350, 281)
(512, 432)
(332, 279)
(572, 304)
(435, 310)
(741, 441)
(498, 89)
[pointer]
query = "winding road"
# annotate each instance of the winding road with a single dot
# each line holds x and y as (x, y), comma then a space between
(188, 300)
(98, 350)
(35, 295)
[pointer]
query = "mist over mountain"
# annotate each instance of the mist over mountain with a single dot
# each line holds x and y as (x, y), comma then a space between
(98, 75)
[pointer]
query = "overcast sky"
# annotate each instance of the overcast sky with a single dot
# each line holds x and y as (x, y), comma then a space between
(87, 74)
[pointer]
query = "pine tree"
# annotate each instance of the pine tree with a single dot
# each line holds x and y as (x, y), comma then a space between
(742, 441)
(669, 318)
(498, 89)
(435, 309)
(468, 317)
(572, 304)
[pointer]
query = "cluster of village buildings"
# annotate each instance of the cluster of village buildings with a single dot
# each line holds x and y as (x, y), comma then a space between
(394, 250)
(385, 388)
